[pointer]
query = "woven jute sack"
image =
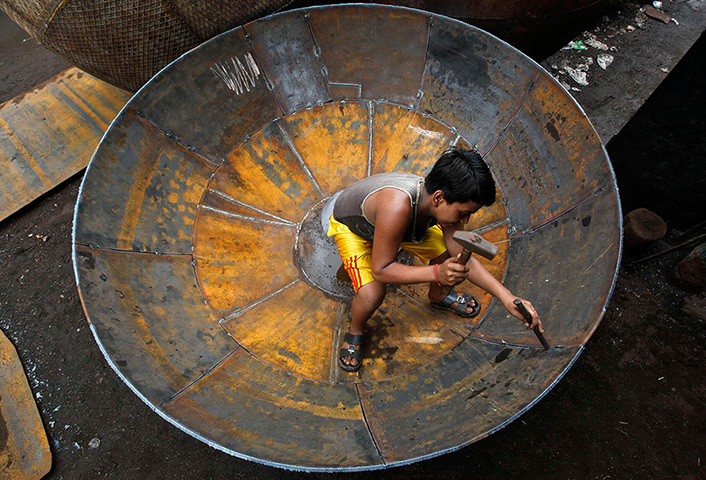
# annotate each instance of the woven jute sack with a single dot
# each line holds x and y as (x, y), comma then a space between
(125, 42)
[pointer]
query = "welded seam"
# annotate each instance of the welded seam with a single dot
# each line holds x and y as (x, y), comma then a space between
(245, 217)
(556, 217)
(317, 49)
(198, 379)
(270, 86)
(337, 327)
(371, 113)
(122, 250)
(232, 200)
(492, 226)
(452, 129)
(420, 92)
(367, 425)
(598, 258)
(505, 343)
(516, 113)
(203, 295)
(356, 85)
(177, 140)
(288, 141)
(239, 311)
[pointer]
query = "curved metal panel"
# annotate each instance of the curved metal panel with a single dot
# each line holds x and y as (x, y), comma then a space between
(382, 53)
(212, 101)
(253, 410)
(567, 268)
(151, 318)
(561, 159)
(473, 81)
(290, 60)
(463, 397)
(142, 191)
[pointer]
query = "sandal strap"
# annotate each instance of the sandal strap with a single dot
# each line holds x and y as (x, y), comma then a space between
(353, 339)
(347, 352)
(452, 297)
(462, 300)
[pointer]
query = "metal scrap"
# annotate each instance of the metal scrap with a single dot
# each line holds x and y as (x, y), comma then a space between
(604, 60)
(657, 14)
(579, 76)
(592, 41)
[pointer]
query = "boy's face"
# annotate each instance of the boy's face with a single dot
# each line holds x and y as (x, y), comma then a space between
(455, 215)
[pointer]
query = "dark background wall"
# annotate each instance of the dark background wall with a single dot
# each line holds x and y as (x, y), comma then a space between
(660, 155)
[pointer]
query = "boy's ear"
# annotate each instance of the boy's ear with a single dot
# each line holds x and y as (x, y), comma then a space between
(437, 197)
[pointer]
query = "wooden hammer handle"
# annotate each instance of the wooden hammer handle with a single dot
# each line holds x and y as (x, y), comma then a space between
(463, 259)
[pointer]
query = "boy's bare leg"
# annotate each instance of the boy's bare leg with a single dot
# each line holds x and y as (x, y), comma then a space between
(365, 302)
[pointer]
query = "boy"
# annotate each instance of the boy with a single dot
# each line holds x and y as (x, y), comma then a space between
(376, 216)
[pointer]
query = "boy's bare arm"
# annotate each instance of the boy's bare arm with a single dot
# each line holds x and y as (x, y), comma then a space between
(480, 276)
(391, 212)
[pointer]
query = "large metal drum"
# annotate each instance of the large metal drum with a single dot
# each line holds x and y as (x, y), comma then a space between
(210, 286)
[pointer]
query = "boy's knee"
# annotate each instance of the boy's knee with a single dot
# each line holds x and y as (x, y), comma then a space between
(372, 293)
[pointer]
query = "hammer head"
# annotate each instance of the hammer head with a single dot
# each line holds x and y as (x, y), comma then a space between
(474, 243)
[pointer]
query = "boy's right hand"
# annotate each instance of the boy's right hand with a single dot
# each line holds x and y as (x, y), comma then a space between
(451, 273)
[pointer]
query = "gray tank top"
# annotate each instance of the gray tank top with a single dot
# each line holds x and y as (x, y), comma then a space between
(349, 205)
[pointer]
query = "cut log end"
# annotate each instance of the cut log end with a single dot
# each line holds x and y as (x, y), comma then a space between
(642, 227)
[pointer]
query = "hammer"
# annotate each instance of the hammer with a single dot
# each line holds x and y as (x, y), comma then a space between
(472, 243)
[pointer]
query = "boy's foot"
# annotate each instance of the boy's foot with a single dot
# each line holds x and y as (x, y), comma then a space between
(463, 305)
(350, 356)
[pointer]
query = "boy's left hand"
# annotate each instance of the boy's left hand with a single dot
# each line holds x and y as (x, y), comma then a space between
(536, 322)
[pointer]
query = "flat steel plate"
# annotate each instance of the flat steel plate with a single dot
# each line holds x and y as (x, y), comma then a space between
(215, 294)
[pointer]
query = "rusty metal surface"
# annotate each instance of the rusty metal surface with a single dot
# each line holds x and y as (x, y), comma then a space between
(48, 134)
(206, 273)
(290, 61)
(142, 190)
(563, 158)
(149, 312)
(473, 82)
(350, 39)
(211, 101)
(563, 267)
(252, 408)
(24, 448)
(466, 395)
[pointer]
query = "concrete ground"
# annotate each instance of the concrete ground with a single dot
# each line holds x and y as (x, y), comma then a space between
(631, 407)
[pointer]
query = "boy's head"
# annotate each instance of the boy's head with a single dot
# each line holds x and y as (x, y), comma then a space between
(462, 176)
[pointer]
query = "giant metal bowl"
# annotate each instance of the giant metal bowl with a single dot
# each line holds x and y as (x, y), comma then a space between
(210, 286)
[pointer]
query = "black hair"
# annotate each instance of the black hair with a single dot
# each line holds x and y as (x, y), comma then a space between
(463, 176)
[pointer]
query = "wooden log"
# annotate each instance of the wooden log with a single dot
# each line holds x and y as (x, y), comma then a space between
(642, 227)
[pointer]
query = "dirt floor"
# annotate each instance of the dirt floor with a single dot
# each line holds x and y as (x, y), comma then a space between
(633, 405)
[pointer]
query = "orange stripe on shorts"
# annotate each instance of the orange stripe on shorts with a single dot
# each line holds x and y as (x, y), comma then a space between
(349, 268)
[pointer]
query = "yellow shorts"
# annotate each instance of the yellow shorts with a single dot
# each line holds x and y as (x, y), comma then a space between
(356, 252)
